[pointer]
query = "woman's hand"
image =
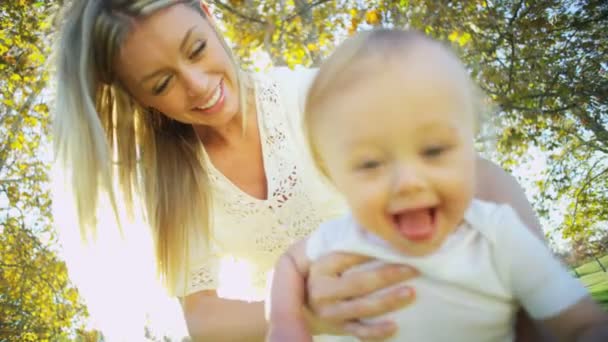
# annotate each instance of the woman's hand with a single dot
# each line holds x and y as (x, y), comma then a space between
(338, 301)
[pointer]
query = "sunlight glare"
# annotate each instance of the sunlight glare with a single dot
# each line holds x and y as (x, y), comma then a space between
(115, 275)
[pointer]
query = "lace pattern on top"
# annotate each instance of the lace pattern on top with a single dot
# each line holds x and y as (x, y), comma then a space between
(204, 277)
(257, 231)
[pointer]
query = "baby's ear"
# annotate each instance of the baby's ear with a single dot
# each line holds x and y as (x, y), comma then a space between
(319, 162)
(321, 167)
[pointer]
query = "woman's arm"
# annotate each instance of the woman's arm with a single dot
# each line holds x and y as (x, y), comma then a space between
(496, 185)
(210, 318)
(584, 321)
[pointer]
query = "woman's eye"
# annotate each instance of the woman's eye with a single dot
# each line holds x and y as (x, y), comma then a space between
(198, 49)
(162, 85)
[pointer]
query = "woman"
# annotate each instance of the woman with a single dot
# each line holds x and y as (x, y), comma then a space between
(218, 158)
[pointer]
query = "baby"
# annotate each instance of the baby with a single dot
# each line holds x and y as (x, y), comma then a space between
(391, 119)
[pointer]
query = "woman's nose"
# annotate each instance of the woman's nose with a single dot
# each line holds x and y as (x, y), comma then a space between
(197, 83)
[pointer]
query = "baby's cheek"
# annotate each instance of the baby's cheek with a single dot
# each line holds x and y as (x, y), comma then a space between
(459, 181)
(457, 195)
(366, 204)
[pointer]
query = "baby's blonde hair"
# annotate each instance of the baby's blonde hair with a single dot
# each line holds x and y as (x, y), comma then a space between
(342, 70)
(101, 135)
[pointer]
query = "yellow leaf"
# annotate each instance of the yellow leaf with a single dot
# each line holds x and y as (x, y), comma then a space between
(31, 121)
(36, 57)
(354, 23)
(16, 145)
(453, 36)
(41, 107)
(463, 39)
(29, 337)
(44, 25)
(373, 17)
(312, 47)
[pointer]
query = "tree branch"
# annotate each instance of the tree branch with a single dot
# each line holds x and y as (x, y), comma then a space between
(24, 109)
(11, 180)
(304, 9)
(512, 64)
(305, 12)
(509, 26)
(542, 111)
(232, 10)
(588, 182)
(590, 144)
(594, 125)
(537, 95)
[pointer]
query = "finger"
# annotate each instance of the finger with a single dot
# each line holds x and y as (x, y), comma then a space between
(361, 283)
(368, 306)
(358, 284)
(336, 263)
(371, 331)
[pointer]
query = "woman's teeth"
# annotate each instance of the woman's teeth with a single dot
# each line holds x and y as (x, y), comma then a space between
(213, 100)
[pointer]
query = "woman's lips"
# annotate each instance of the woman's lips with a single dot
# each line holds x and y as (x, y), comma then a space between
(215, 102)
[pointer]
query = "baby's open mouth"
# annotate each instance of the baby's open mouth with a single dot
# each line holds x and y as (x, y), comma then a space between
(416, 224)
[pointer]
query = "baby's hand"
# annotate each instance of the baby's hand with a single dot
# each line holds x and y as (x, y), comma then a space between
(288, 320)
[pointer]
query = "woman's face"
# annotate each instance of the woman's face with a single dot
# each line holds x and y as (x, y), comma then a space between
(174, 62)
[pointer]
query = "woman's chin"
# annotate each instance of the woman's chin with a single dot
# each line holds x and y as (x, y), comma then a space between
(219, 121)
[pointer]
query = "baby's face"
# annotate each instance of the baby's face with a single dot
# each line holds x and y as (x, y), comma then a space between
(399, 146)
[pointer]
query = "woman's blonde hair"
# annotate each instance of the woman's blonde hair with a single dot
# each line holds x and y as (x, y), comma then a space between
(341, 71)
(102, 137)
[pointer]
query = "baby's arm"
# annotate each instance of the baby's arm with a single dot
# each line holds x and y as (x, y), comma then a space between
(544, 287)
(287, 318)
(584, 321)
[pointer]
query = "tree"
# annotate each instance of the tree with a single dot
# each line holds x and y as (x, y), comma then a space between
(542, 62)
(290, 32)
(37, 301)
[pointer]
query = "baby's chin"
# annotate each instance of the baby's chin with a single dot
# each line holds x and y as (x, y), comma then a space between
(419, 249)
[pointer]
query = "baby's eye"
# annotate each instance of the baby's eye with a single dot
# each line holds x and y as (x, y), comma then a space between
(434, 151)
(369, 164)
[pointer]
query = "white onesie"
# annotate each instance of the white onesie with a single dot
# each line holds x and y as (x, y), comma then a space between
(471, 288)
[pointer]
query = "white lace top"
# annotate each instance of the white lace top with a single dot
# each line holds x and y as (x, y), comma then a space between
(248, 234)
